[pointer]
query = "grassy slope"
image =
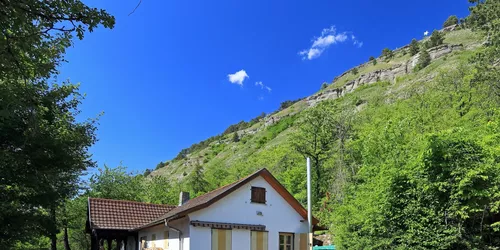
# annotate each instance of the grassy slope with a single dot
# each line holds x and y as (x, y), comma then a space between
(269, 146)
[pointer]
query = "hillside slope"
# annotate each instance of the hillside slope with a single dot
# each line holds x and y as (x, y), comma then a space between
(266, 143)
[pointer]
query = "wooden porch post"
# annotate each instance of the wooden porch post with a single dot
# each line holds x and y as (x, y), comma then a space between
(136, 238)
(109, 243)
(93, 242)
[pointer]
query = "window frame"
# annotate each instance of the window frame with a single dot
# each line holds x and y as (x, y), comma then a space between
(285, 244)
(257, 199)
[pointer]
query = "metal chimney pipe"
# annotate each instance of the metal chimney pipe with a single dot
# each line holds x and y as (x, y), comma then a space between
(309, 210)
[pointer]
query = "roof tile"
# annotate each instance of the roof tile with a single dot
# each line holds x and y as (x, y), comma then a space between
(123, 215)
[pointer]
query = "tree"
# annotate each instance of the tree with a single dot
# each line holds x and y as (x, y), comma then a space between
(236, 138)
(147, 172)
(37, 33)
(196, 181)
(436, 39)
(387, 53)
(42, 154)
(43, 147)
(452, 20)
(314, 139)
(354, 71)
(160, 165)
(414, 48)
(159, 190)
(371, 58)
(324, 85)
(423, 60)
(116, 183)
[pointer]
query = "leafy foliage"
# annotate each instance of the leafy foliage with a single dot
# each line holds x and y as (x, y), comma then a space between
(36, 34)
(387, 53)
(452, 20)
(324, 85)
(43, 149)
(423, 60)
(287, 104)
(436, 39)
(414, 47)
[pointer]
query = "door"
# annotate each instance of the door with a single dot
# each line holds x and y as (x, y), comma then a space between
(286, 241)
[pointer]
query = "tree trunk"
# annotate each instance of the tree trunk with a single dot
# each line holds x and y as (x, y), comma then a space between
(66, 240)
(65, 222)
(318, 181)
(53, 233)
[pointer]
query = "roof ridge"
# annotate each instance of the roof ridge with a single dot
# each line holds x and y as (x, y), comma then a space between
(232, 183)
(127, 201)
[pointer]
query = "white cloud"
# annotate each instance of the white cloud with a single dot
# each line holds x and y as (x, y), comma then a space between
(262, 86)
(328, 37)
(238, 77)
(355, 42)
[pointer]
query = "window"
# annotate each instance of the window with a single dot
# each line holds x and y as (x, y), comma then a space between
(258, 195)
(144, 242)
(286, 241)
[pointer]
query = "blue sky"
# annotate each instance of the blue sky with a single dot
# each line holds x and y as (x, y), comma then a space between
(161, 75)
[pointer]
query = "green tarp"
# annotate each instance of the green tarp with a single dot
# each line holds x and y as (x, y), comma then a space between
(324, 248)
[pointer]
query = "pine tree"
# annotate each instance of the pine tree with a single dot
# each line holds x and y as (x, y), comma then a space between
(436, 39)
(423, 60)
(236, 138)
(414, 47)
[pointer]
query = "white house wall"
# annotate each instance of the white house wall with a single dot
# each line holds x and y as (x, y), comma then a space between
(173, 237)
(277, 215)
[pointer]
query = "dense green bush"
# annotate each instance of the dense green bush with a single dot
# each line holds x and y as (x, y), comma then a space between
(387, 53)
(452, 20)
(414, 47)
(423, 60)
(436, 39)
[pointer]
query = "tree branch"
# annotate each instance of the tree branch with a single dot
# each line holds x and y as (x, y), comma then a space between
(140, 1)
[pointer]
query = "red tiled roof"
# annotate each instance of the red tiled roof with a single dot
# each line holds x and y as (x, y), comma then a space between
(123, 215)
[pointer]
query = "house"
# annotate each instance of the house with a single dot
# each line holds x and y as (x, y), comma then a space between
(254, 213)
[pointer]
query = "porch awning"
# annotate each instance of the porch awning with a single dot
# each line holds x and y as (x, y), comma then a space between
(223, 225)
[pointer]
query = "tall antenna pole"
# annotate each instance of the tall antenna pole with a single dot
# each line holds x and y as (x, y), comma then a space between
(309, 210)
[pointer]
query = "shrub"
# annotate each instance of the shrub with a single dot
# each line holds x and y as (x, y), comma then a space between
(236, 138)
(387, 53)
(436, 39)
(423, 60)
(160, 165)
(355, 71)
(324, 85)
(414, 47)
(452, 20)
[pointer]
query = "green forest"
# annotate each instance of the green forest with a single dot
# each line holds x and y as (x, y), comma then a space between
(407, 163)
